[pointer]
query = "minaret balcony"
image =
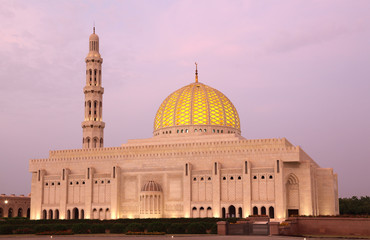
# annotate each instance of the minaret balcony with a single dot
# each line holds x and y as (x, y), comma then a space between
(92, 89)
(95, 124)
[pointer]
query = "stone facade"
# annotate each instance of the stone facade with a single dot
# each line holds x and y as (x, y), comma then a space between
(197, 164)
(14, 206)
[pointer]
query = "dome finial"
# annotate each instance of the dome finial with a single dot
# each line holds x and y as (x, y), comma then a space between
(94, 27)
(196, 72)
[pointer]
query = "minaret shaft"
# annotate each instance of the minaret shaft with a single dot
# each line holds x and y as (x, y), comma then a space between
(93, 125)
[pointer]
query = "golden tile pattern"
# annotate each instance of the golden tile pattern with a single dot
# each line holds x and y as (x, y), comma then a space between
(200, 106)
(196, 104)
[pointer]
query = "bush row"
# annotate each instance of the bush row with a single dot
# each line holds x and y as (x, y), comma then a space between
(102, 227)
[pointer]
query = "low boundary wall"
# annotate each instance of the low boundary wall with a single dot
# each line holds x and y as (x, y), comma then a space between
(339, 226)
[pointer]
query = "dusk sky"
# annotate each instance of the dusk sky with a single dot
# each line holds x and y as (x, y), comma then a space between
(295, 69)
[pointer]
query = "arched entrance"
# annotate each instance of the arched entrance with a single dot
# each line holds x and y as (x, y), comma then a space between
(195, 212)
(232, 212)
(292, 191)
(263, 211)
(10, 213)
(75, 213)
(82, 214)
(44, 214)
(271, 212)
(255, 211)
(240, 212)
(50, 214)
(57, 214)
(20, 212)
(223, 213)
(1, 213)
(209, 212)
(69, 214)
(28, 213)
(107, 213)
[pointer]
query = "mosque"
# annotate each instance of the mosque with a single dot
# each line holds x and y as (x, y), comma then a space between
(197, 164)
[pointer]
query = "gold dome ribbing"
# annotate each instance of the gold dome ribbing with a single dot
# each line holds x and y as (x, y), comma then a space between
(196, 104)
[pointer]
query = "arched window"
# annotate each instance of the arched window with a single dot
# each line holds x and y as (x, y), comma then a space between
(271, 212)
(44, 214)
(90, 73)
(95, 143)
(99, 77)
(89, 105)
(88, 142)
(82, 214)
(50, 214)
(255, 211)
(263, 211)
(20, 212)
(95, 77)
(101, 142)
(56, 214)
(69, 214)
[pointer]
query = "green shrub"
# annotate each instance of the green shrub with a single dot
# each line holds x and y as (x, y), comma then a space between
(6, 229)
(196, 228)
(24, 230)
(42, 228)
(59, 227)
(156, 227)
(81, 228)
(97, 228)
(213, 228)
(135, 227)
(117, 228)
(177, 228)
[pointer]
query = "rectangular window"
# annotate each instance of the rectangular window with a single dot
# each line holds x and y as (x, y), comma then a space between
(186, 169)
(114, 172)
(64, 171)
(246, 167)
(88, 173)
(215, 168)
(277, 166)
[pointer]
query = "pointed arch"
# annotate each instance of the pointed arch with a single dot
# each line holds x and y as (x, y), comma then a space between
(292, 179)
(292, 194)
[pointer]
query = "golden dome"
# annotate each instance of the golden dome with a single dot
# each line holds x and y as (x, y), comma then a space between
(197, 104)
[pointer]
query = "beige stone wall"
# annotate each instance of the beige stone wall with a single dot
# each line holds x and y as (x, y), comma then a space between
(200, 176)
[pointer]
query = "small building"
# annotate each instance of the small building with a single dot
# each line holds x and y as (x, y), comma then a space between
(14, 206)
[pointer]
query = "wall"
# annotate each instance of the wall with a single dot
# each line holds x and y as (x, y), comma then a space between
(339, 226)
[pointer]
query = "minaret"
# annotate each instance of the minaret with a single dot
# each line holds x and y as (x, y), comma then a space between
(93, 125)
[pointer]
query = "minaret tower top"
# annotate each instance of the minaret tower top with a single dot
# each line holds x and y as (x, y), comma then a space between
(93, 125)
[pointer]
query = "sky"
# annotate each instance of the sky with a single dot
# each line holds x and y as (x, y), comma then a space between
(295, 68)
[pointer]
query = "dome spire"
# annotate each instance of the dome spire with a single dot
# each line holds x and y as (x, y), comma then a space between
(196, 72)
